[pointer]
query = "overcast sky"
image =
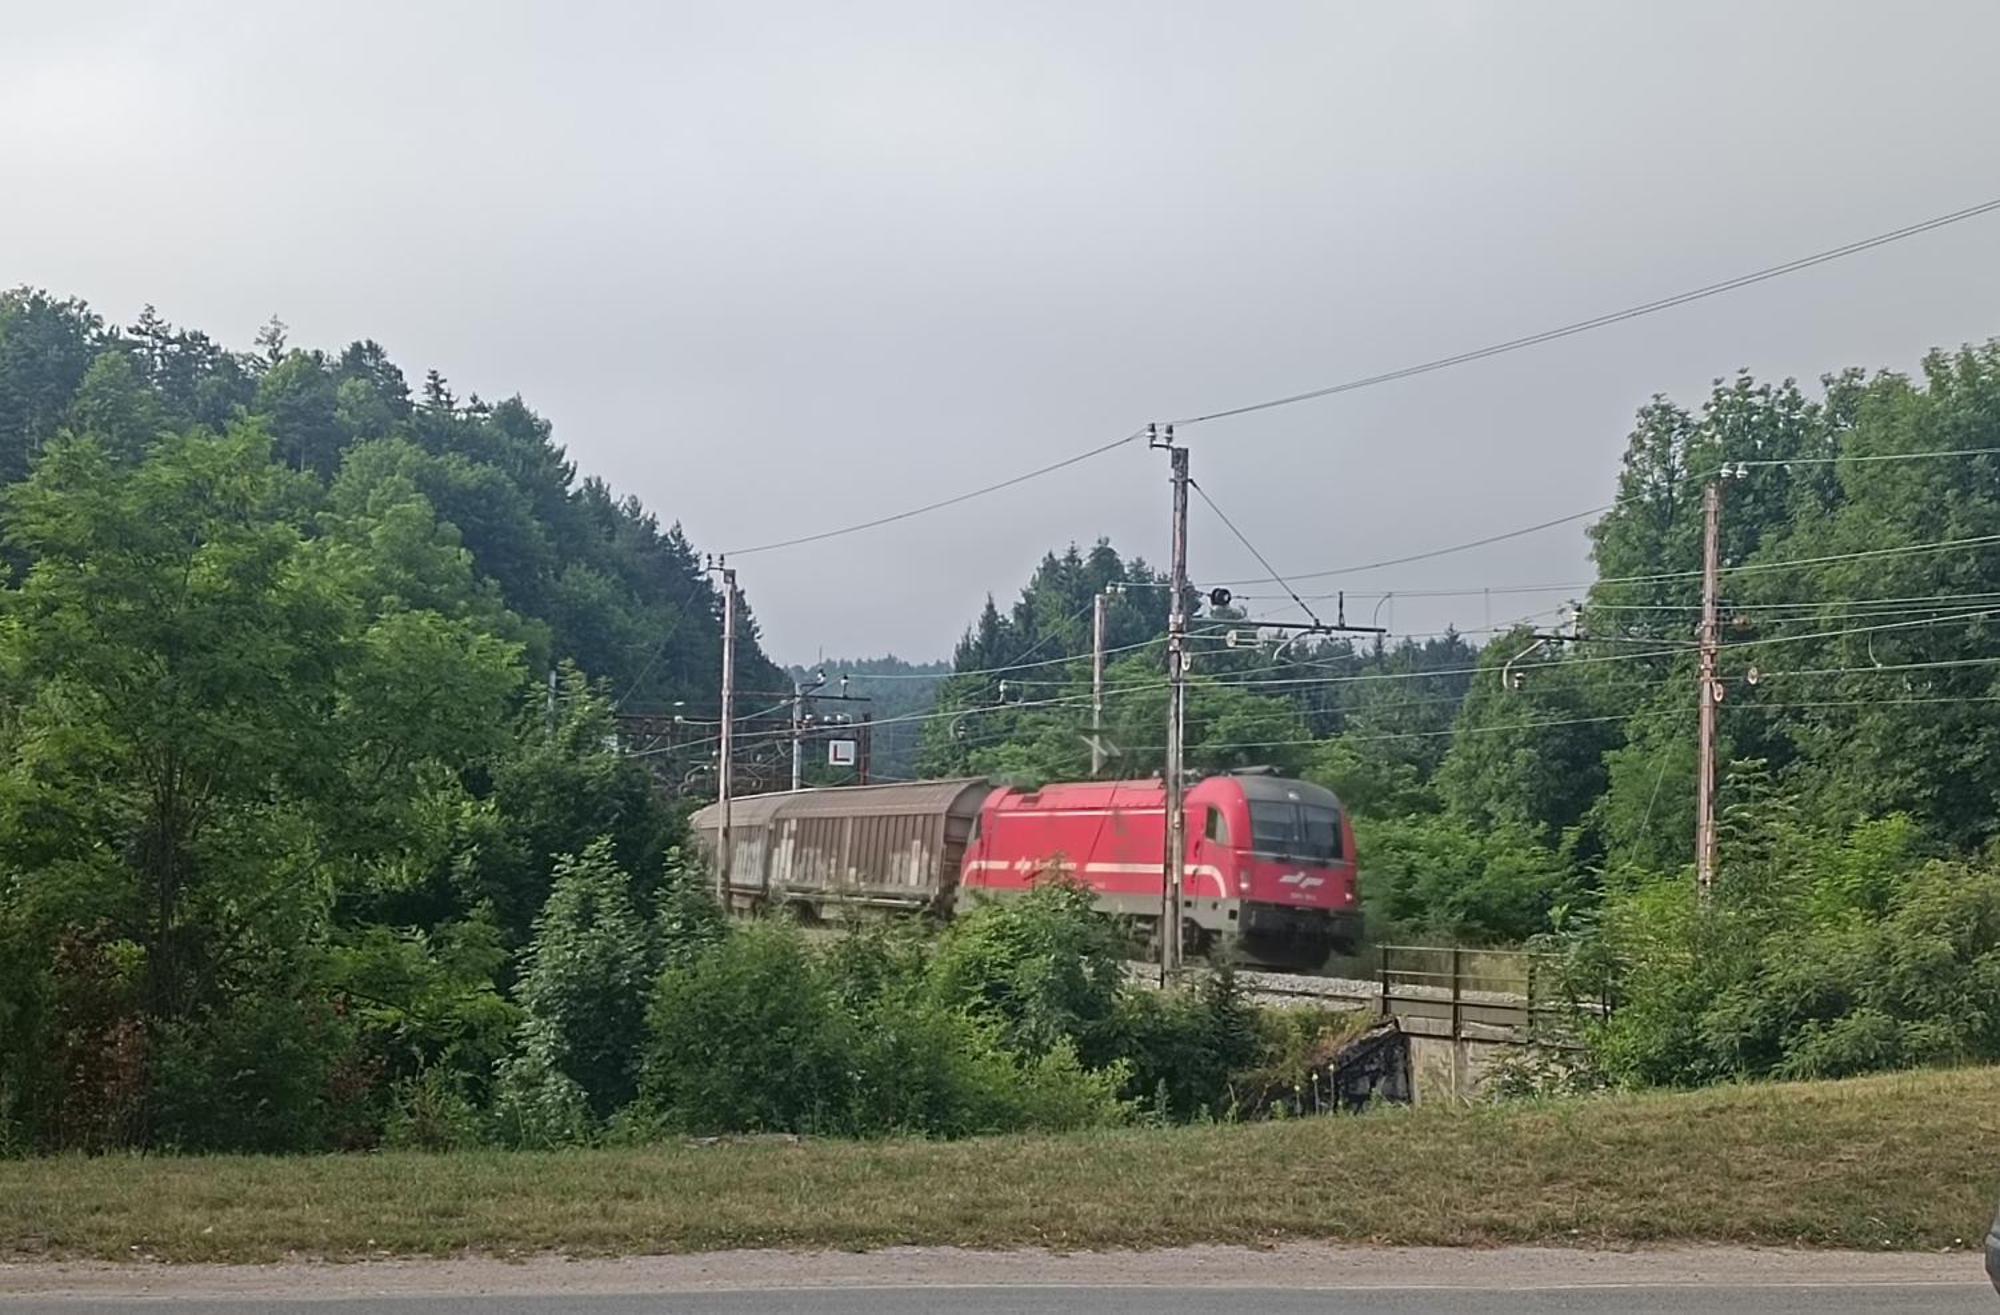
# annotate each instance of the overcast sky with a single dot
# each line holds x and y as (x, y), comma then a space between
(780, 267)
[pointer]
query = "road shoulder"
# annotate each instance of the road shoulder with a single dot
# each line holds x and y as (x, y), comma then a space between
(1289, 1266)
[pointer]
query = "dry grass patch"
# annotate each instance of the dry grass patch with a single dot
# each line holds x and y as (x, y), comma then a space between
(1905, 1161)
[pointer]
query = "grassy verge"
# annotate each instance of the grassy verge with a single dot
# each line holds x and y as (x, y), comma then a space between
(1908, 1161)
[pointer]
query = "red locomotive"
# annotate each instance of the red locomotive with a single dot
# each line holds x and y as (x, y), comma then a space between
(1270, 875)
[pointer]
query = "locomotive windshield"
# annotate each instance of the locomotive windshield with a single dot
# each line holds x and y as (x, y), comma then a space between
(1301, 831)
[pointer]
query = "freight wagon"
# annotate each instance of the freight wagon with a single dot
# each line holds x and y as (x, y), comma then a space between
(1270, 873)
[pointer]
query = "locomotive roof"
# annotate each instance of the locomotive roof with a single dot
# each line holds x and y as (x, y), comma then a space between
(1284, 789)
(1254, 785)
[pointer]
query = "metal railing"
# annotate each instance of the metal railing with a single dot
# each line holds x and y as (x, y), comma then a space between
(1500, 996)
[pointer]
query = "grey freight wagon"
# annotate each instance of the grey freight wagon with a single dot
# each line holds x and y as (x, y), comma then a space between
(849, 851)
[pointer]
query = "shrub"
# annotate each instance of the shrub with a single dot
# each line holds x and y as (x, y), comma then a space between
(690, 917)
(584, 988)
(1295, 1052)
(536, 1105)
(761, 1034)
(921, 1068)
(1475, 883)
(1182, 1048)
(429, 1111)
(746, 1039)
(267, 1072)
(1045, 967)
(1822, 957)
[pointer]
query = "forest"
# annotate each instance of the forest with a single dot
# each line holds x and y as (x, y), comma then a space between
(1855, 922)
(322, 825)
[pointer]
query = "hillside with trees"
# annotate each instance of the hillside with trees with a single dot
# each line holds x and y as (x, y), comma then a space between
(1856, 920)
(283, 777)
(302, 848)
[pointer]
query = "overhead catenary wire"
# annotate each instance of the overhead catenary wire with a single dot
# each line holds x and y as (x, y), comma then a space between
(1405, 372)
(942, 503)
(1237, 679)
(1467, 546)
(1079, 701)
(1662, 577)
(1598, 658)
(1262, 561)
(1612, 317)
(1550, 723)
(945, 714)
(1011, 666)
(1803, 604)
(1847, 457)
(1572, 517)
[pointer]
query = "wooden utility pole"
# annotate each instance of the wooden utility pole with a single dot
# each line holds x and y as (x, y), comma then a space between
(1097, 616)
(1711, 686)
(798, 734)
(726, 759)
(1177, 621)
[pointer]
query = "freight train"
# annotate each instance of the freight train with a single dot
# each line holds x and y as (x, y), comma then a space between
(1270, 873)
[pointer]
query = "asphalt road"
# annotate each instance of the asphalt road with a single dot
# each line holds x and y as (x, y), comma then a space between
(1789, 1299)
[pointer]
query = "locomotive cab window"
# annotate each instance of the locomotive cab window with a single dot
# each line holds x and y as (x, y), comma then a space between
(1320, 831)
(1274, 827)
(1300, 831)
(1217, 828)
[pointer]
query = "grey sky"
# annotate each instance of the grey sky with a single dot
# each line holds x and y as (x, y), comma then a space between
(779, 267)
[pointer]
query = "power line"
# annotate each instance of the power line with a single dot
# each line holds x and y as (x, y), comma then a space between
(1864, 457)
(1801, 604)
(1878, 703)
(1596, 658)
(1426, 367)
(943, 714)
(1426, 556)
(1885, 668)
(1017, 666)
(1212, 747)
(941, 503)
(1663, 577)
(1613, 317)
(1232, 680)
(1574, 516)
(1056, 631)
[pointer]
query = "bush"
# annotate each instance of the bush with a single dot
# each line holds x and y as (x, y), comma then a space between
(1819, 957)
(746, 1039)
(424, 1003)
(1045, 966)
(592, 960)
(1184, 1047)
(760, 1034)
(919, 1068)
(690, 918)
(1446, 876)
(267, 1072)
(73, 1045)
(429, 1111)
(536, 1105)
